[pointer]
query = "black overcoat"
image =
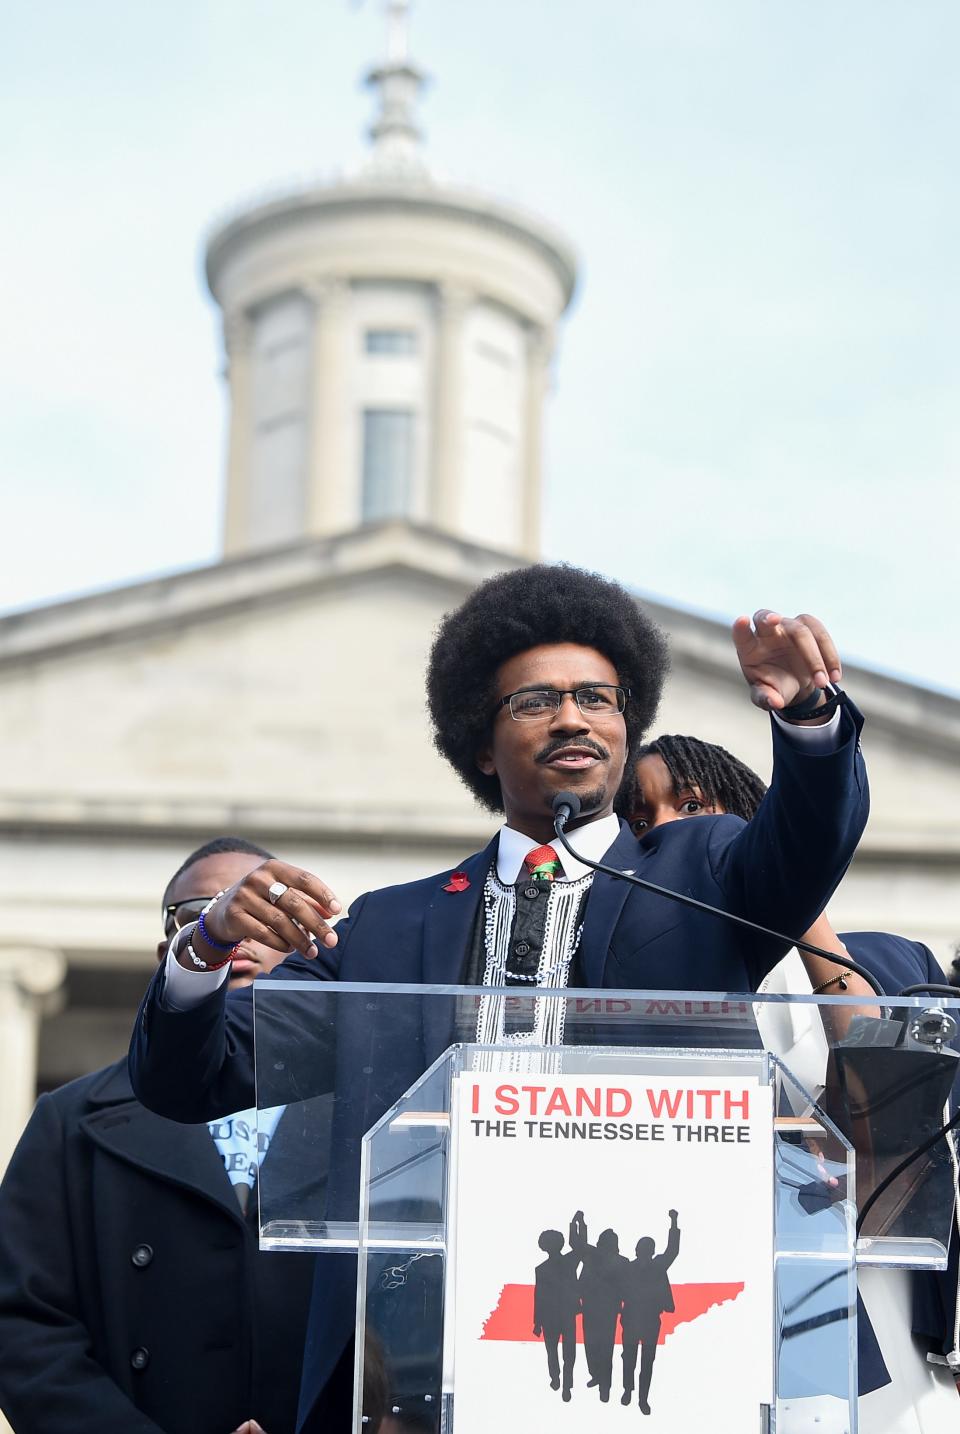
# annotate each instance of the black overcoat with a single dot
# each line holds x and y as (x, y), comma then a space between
(133, 1296)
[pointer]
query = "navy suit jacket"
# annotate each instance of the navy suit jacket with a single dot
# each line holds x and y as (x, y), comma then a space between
(780, 870)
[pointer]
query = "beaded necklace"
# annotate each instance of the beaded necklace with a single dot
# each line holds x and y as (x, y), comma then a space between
(561, 938)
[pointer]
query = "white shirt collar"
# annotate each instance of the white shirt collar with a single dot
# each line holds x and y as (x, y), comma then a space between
(594, 839)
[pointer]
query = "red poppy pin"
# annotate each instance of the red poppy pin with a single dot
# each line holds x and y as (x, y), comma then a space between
(459, 881)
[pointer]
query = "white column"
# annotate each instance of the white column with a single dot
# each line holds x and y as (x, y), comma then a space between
(332, 489)
(453, 301)
(539, 355)
(237, 338)
(30, 981)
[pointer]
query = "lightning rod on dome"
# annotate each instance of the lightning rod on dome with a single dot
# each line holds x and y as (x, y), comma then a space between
(398, 31)
(397, 82)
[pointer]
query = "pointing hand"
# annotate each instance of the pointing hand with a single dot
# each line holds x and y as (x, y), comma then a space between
(784, 659)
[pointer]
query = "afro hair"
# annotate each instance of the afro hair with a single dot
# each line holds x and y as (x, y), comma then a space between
(532, 607)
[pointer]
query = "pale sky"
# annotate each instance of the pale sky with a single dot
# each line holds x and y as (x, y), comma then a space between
(756, 393)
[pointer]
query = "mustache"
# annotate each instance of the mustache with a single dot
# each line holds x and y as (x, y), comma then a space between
(558, 744)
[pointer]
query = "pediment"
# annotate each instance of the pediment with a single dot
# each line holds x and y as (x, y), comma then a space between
(284, 691)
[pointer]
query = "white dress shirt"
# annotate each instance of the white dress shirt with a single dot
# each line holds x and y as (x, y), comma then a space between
(594, 839)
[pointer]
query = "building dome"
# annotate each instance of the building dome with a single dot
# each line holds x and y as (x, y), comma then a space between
(388, 339)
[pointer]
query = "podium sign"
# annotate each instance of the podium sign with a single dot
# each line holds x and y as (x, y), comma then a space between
(509, 1205)
(613, 1238)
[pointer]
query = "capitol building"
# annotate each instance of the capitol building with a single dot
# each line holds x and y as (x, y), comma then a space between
(391, 342)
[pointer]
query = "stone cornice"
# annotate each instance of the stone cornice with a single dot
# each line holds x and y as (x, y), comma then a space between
(129, 612)
(369, 196)
(356, 825)
(924, 716)
(901, 709)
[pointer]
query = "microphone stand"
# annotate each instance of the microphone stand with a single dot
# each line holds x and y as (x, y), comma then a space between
(566, 805)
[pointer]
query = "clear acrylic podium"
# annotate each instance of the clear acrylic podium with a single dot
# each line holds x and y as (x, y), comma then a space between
(391, 1164)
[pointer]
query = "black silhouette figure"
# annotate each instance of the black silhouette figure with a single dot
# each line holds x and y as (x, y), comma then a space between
(556, 1302)
(646, 1295)
(601, 1294)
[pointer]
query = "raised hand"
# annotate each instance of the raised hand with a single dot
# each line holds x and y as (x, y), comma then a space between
(295, 919)
(784, 659)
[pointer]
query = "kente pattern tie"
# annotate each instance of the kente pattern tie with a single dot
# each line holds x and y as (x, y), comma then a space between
(542, 863)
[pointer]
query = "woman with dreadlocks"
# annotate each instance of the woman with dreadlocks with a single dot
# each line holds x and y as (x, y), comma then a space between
(677, 777)
(913, 1315)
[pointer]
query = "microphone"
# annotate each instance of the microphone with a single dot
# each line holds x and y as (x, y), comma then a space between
(567, 807)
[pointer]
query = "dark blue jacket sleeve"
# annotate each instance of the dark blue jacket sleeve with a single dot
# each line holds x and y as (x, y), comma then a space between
(781, 868)
(197, 1065)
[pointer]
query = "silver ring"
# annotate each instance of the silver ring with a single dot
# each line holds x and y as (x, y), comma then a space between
(276, 891)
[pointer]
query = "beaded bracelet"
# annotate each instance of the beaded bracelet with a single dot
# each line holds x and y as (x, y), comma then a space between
(202, 965)
(202, 928)
(841, 978)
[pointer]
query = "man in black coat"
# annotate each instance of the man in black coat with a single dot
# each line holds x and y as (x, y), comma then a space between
(133, 1297)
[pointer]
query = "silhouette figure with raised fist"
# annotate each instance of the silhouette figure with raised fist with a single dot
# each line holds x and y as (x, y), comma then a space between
(647, 1295)
(601, 1295)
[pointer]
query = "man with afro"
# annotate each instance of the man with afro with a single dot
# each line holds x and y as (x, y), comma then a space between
(544, 680)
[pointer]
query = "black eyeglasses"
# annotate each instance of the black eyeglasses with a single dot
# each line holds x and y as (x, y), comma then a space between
(182, 913)
(599, 699)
